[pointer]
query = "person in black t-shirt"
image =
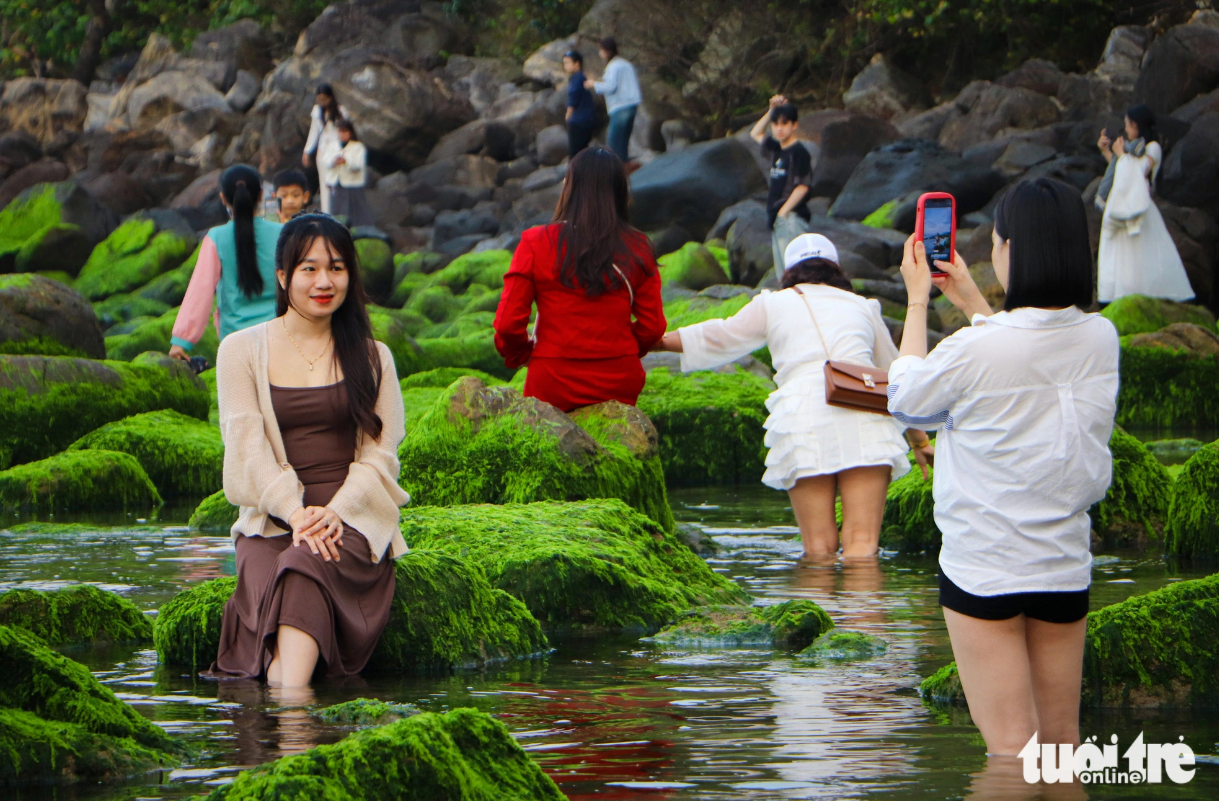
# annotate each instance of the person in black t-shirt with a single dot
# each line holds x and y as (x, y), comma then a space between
(581, 117)
(791, 172)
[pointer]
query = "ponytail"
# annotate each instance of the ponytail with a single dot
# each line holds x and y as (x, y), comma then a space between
(241, 185)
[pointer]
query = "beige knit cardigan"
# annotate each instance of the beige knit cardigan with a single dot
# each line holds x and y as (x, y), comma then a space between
(257, 476)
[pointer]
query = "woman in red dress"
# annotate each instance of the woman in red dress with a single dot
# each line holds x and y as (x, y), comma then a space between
(589, 272)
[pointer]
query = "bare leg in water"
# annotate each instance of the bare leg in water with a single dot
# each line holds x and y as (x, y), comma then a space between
(863, 505)
(294, 658)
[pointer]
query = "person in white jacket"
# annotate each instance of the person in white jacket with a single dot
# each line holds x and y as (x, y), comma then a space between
(348, 170)
(620, 86)
(323, 140)
(1025, 400)
(1137, 255)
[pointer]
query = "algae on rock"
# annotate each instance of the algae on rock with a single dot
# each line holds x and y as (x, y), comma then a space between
(1136, 505)
(186, 631)
(480, 444)
(214, 513)
(908, 523)
(693, 267)
(443, 377)
(133, 254)
(75, 615)
(595, 565)
(790, 625)
(154, 335)
(1162, 388)
(1192, 527)
(845, 646)
(461, 755)
(93, 479)
(182, 455)
(364, 712)
(1140, 314)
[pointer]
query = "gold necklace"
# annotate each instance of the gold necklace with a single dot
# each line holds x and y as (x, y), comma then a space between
(298, 347)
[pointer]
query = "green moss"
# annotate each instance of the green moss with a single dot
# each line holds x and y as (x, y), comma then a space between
(130, 257)
(594, 565)
(208, 377)
(376, 266)
(34, 236)
(55, 689)
(845, 646)
(39, 346)
(78, 480)
(417, 402)
(790, 625)
(882, 217)
(466, 325)
(487, 301)
(717, 248)
(482, 444)
(118, 309)
(1192, 527)
(688, 311)
(477, 351)
(182, 455)
(75, 615)
(186, 631)
(710, 425)
(388, 328)
(1162, 388)
(463, 755)
(1136, 505)
(486, 267)
(1140, 314)
(364, 712)
(943, 686)
(436, 303)
(693, 267)
(29, 216)
(154, 335)
(214, 513)
(908, 523)
(444, 376)
(405, 288)
(421, 261)
(170, 287)
(57, 275)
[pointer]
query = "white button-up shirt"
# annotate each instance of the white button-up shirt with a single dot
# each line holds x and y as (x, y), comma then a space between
(619, 85)
(1026, 401)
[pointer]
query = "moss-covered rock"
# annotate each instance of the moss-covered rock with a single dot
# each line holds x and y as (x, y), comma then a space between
(154, 335)
(688, 311)
(365, 712)
(1162, 388)
(1136, 505)
(47, 403)
(214, 513)
(693, 267)
(908, 523)
(1139, 314)
(388, 327)
(1186, 337)
(39, 316)
(169, 287)
(709, 424)
(134, 254)
(422, 262)
(475, 350)
(844, 646)
(186, 631)
(443, 377)
(789, 625)
(436, 303)
(1153, 650)
(404, 288)
(1192, 527)
(182, 455)
(478, 324)
(75, 615)
(119, 309)
(57, 723)
(480, 444)
(78, 480)
(51, 227)
(417, 401)
(594, 565)
(376, 267)
(486, 267)
(458, 756)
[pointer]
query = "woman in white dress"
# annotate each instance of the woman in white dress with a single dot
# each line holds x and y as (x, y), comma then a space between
(1137, 255)
(816, 451)
(323, 144)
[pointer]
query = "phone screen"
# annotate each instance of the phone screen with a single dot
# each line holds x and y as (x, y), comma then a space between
(937, 230)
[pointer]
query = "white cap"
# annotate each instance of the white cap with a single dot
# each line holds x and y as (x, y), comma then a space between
(809, 246)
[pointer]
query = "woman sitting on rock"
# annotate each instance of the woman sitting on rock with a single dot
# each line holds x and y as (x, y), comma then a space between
(235, 267)
(1026, 398)
(817, 451)
(588, 271)
(312, 416)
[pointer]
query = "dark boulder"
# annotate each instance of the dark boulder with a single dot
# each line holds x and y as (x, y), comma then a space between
(883, 91)
(43, 171)
(1179, 65)
(997, 111)
(120, 192)
(843, 146)
(41, 316)
(1037, 74)
(750, 257)
(1191, 168)
(17, 149)
(52, 227)
(691, 187)
(450, 225)
(240, 46)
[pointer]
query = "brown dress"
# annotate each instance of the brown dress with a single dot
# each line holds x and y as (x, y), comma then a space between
(343, 605)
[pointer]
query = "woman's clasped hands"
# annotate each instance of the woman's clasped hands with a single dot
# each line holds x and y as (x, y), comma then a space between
(319, 527)
(954, 281)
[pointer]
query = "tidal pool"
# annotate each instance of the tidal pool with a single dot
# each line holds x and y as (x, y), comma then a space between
(613, 718)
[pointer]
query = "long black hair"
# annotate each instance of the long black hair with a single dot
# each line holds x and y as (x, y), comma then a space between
(349, 325)
(816, 271)
(594, 234)
(1050, 260)
(1142, 116)
(330, 112)
(242, 187)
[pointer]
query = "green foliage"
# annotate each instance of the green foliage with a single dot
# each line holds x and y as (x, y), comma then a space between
(186, 631)
(1140, 314)
(47, 403)
(214, 513)
(594, 565)
(463, 755)
(1162, 388)
(84, 480)
(518, 27)
(1136, 505)
(154, 335)
(364, 712)
(182, 455)
(75, 615)
(129, 258)
(1192, 527)
(789, 625)
(845, 645)
(710, 425)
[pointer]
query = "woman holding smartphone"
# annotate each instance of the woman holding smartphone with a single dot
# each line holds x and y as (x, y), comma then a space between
(1026, 399)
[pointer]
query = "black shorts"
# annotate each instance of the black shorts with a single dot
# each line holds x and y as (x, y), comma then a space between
(1052, 607)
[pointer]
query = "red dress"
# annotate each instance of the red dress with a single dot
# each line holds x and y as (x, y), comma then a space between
(587, 349)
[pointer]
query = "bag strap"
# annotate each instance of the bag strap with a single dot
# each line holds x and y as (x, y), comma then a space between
(629, 288)
(824, 342)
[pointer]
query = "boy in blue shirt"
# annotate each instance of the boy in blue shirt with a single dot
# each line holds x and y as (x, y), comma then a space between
(581, 117)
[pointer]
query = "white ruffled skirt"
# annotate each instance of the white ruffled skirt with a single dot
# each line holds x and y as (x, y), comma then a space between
(805, 437)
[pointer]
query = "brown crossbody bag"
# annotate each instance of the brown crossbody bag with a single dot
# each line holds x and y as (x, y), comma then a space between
(848, 385)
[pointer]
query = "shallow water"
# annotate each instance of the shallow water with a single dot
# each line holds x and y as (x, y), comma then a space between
(613, 718)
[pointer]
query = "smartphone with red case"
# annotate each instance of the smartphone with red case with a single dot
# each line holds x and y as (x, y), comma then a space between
(935, 222)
